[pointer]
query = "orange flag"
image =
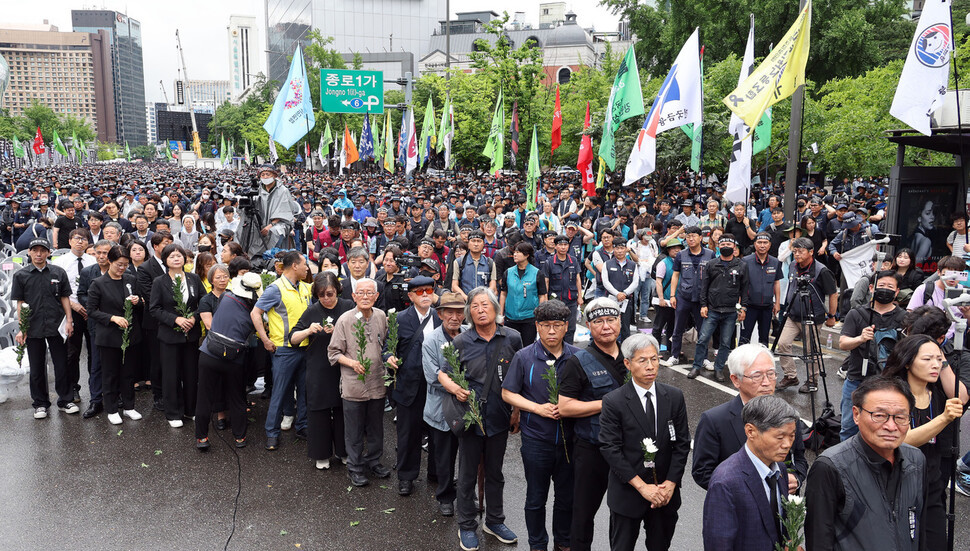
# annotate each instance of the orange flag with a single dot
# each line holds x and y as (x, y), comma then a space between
(349, 147)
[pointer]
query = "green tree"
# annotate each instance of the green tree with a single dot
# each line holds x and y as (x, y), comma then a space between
(143, 152)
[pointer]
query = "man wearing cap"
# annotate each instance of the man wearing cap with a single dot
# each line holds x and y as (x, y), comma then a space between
(686, 217)
(492, 242)
(473, 269)
(688, 270)
(584, 379)
(342, 202)
(74, 262)
(317, 237)
(548, 248)
(663, 271)
(444, 223)
(723, 286)
(361, 212)
(545, 457)
(563, 282)
(65, 224)
(47, 290)
(621, 279)
(276, 206)
(852, 235)
(410, 389)
(763, 291)
(418, 224)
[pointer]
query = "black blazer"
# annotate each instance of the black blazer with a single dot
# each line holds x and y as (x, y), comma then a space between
(147, 272)
(106, 299)
(410, 374)
(162, 308)
(623, 426)
(85, 277)
(720, 433)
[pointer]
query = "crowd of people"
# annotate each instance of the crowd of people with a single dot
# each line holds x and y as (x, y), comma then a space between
(475, 313)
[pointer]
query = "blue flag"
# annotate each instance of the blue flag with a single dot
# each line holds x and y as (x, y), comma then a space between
(366, 141)
(292, 115)
(402, 148)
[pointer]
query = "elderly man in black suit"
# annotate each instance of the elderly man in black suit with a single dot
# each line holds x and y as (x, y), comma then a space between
(645, 440)
(410, 389)
(720, 432)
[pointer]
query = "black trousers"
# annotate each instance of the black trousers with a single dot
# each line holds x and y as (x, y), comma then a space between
(526, 328)
(37, 356)
(74, 345)
(658, 524)
(363, 421)
(444, 451)
(474, 450)
(117, 378)
(325, 433)
(225, 382)
(150, 346)
(180, 378)
(592, 476)
(760, 315)
(410, 430)
(663, 324)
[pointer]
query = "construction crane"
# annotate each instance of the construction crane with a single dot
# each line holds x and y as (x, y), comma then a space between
(196, 145)
(161, 84)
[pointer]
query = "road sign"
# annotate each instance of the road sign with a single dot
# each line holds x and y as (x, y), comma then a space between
(351, 91)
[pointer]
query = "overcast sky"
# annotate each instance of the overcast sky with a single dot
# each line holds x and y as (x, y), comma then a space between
(202, 25)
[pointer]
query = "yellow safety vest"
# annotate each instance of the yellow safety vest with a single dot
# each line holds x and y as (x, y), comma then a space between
(282, 318)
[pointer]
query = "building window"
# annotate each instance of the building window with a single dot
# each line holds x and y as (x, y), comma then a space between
(563, 76)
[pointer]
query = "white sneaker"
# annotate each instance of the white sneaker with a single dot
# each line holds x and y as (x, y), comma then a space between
(669, 362)
(114, 418)
(842, 372)
(343, 460)
(709, 365)
(287, 423)
(40, 413)
(70, 408)
(175, 423)
(323, 464)
(132, 414)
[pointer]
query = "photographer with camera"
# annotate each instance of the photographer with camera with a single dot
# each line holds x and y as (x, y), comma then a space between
(270, 213)
(812, 279)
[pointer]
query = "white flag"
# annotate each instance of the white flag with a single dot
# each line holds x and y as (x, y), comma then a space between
(412, 145)
(739, 172)
(857, 262)
(679, 102)
(273, 156)
(320, 153)
(922, 85)
(343, 156)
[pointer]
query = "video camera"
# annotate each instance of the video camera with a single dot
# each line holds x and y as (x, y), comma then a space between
(409, 260)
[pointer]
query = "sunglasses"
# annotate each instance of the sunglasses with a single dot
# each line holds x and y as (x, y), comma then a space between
(424, 291)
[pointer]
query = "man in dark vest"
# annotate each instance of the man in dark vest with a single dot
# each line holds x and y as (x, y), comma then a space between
(562, 280)
(583, 381)
(620, 279)
(868, 492)
(685, 295)
(473, 269)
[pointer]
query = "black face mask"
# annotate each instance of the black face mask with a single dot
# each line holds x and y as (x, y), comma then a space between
(727, 251)
(205, 248)
(884, 296)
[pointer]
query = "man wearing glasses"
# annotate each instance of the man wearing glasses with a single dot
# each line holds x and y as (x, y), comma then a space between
(868, 491)
(720, 431)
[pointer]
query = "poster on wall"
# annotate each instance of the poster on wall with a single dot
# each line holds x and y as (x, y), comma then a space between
(924, 221)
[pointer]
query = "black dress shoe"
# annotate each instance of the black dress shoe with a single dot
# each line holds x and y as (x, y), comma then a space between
(94, 408)
(719, 376)
(694, 372)
(446, 509)
(380, 471)
(159, 404)
(272, 443)
(405, 487)
(300, 434)
(222, 424)
(358, 479)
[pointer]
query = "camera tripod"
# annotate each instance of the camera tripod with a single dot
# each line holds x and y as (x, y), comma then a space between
(811, 355)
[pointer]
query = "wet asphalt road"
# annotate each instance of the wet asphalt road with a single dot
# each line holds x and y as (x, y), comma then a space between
(71, 484)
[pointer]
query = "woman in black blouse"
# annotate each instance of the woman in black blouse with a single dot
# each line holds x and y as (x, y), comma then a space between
(106, 306)
(178, 335)
(218, 277)
(325, 418)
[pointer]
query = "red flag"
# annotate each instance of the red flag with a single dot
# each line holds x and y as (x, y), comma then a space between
(557, 124)
(515, 132)
(585, 162)
(39, 148)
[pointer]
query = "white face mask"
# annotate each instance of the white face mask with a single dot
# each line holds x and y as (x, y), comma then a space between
(266, 181)
(643, 210)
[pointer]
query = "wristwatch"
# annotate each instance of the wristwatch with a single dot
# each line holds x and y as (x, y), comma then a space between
(830, 316)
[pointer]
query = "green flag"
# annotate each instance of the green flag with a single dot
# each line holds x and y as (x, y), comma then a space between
(626, 100)
(222, 149)
(445, 122)
(326, 139)
(388, 144)
(127, 152)
(495, 146)
(378, 144)
(532, 176)
(59, 145)
(428, 133)
(168, 152)
(18, 148)
(762, 133)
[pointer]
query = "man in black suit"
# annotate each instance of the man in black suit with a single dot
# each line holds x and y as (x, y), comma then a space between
(720, 432)
(410, 389)
(645, 441)
(85, 277)
(147, 272)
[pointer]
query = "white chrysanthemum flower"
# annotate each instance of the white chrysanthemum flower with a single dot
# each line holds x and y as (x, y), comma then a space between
(649, 445)
(358, 315)
(795, 500)
(550, 363)
(329, 320)
(24, 305)
(391, 311)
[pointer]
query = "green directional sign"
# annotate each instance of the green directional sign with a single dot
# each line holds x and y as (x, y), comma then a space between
(351, 91)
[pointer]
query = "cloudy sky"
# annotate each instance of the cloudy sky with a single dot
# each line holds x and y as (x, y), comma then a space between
(203, 29)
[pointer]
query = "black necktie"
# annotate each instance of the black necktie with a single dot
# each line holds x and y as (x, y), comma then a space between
(772, 480)
(651, 419)
(80, 265)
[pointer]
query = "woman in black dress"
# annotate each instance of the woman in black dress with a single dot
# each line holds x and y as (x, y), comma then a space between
(106, 306)
(918, 361)
(325, 418)
(178, 335)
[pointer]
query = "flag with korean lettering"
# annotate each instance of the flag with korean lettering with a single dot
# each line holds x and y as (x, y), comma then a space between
(39, 148)
(378, 142)
(366, 140)
(388, 144)
(926, 73)
(778, 76)
(739, 171)
(626, 101)
(428, 133)
(495, 146)
(447, 130)
(584, 163)
(402, 141)
(679, 102)
(411, 150)
(292, 114)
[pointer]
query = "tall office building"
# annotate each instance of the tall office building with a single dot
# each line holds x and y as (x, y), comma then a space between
(204, 93)
(391, 34)
(244, 54)
(57, 69)
(127, 69)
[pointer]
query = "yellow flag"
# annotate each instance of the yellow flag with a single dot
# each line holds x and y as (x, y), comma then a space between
(778, 75)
